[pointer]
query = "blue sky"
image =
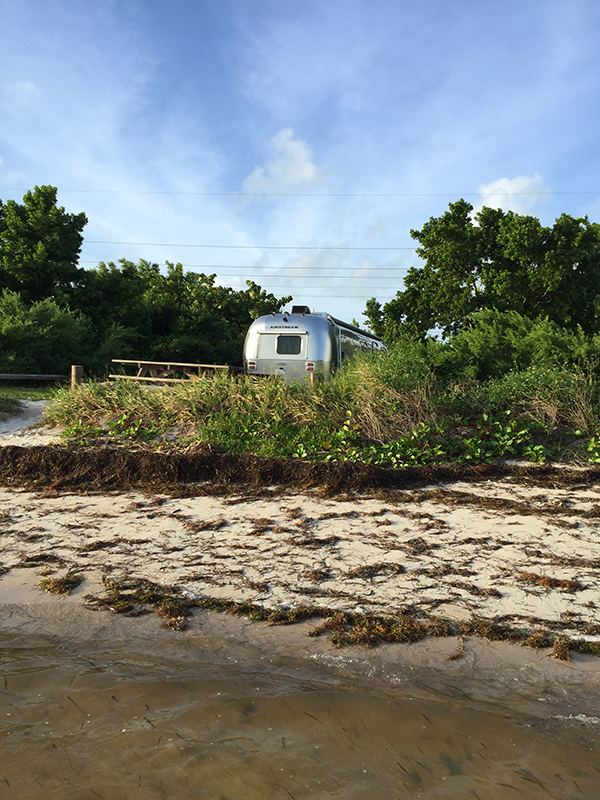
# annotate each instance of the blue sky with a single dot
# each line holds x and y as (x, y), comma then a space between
(297, 143)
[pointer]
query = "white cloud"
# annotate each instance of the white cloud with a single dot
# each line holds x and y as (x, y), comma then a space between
(293, 166)
(23, 94)
(379, 228)
(514, 194)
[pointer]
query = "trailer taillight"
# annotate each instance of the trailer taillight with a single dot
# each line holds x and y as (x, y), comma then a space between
(310, 366)
(252, 365)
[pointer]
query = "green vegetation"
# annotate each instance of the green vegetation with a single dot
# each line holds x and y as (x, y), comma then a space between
(499, 260)
(11, 395)
(54, 313)
(40, 337)
(9, 405)
(512, 370)
(39, 246)
(29, 390)
(414, 405)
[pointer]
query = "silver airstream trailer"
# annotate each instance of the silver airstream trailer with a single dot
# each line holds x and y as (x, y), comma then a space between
(301, 344)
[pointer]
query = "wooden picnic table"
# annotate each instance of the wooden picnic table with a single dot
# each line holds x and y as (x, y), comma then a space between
(163, 371)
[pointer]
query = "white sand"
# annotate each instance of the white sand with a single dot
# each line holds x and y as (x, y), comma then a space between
(449, 554)
(458, 560)
(25, 429)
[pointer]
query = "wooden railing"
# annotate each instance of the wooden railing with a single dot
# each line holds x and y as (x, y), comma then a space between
(76, 376)
(163, 371)
(12, 376)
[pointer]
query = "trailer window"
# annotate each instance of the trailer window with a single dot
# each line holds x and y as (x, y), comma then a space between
(289, 345)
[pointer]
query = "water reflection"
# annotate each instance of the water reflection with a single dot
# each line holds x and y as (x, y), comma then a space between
(77, 725)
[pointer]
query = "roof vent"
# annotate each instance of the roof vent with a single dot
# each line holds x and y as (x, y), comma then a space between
(300, 310)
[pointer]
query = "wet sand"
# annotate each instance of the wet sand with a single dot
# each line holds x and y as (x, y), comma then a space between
(495, 667)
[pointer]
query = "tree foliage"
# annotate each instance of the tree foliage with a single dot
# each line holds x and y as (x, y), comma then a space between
(41, 337)
(173, 315)
(117, 310)
(500, 260)
(39, 245)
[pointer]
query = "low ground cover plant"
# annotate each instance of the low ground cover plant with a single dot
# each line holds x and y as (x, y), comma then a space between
(392, 409)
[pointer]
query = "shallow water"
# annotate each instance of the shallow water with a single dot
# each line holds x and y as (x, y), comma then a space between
(78, 723)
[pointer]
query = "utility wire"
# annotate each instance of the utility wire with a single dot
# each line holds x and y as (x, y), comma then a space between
(245, 246)
(316, 194)
(286, 267)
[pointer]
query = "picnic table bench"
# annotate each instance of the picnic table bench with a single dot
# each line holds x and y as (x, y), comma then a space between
(163, 371)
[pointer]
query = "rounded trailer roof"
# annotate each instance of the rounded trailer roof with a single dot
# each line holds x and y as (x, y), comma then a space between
(282, 323)
(309, 322)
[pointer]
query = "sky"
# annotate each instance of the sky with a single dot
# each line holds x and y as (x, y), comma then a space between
(297, 144)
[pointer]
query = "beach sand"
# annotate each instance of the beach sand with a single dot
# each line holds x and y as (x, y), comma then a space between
(496, 550)
(26, 428)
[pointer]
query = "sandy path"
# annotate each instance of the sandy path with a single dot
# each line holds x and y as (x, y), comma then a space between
(25, 429)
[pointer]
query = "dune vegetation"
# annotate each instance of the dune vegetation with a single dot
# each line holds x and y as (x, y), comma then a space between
(420, 403)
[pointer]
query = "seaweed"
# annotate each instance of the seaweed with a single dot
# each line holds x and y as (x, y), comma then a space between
(551, 583)
(178, 472)
(317, 575)
(460, 653)
(98, 545)
(64, 585)
(476, 590)
(370, 630)
(40, 559)
(54, 468)
(561, 648)
(418, 546)
(372, 570)
(131, 597)
(314, 542)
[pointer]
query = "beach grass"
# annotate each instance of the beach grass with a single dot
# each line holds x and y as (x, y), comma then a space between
(378, 410)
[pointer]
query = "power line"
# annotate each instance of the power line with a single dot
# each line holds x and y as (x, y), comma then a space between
(286, 267)
(245, 246)
(316, 194)
(341, 296)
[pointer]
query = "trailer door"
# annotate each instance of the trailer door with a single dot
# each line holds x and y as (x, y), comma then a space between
(283, 354)
(282, 346)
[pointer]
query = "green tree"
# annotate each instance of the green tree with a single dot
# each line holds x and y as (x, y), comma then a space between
(193, 319)
(39, 245)
(113, 295)
(500, 260)
(174, 316)
(41, 337)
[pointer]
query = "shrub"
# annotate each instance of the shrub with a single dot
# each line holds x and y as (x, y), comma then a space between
(500, 342)
(41, 337)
